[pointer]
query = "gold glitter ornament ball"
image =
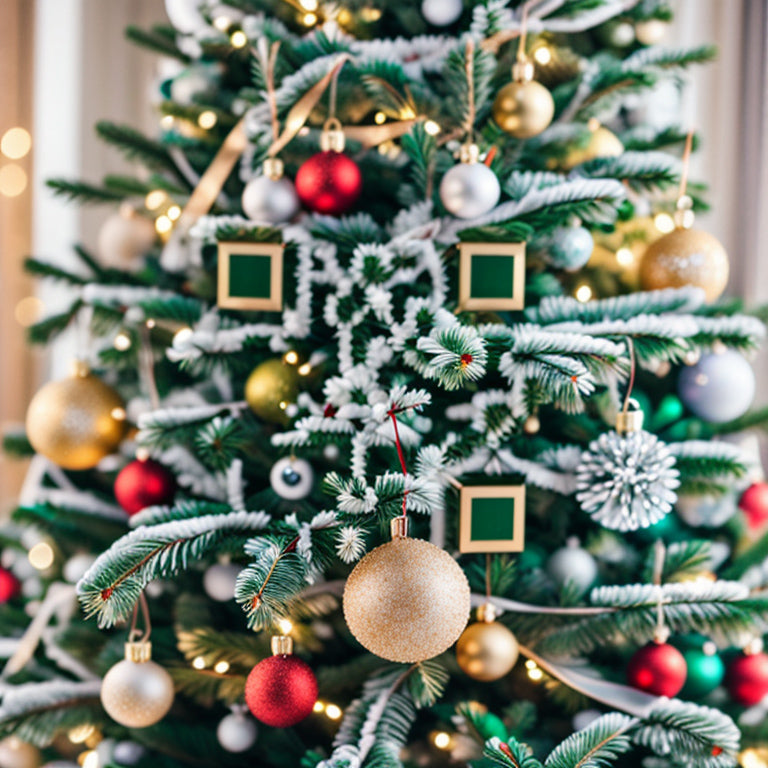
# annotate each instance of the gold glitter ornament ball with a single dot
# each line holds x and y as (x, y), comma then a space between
(523, 109)
(15, 753)
(77, 421)
(685, 257)
(406, 600)
(137, 692)
(601, 143)
(273, 385)
(486, 650)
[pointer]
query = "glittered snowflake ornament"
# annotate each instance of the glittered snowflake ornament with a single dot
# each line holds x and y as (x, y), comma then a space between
(626, 478)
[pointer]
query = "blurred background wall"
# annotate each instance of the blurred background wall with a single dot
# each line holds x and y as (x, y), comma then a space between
(65, 64)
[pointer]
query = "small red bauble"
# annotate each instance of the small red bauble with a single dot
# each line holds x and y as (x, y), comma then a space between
(281, 690)
(754, 504)
(10, 586)
(143, 484)
(657, 668)
(747, 678)
(329, 182)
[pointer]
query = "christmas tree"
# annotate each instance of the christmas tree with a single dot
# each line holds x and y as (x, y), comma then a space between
(407, 426)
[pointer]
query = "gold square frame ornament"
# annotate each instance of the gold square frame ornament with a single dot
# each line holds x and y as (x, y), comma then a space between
(515, 299)
(468, 494)
(273, 302)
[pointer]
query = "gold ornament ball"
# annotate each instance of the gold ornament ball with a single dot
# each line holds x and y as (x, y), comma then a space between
(15, 753)
(271, 387)
(486, 651)
(406, 600)
(602, 143)
(685, 257)
(77, 421)
(137, 692)
(523, 109)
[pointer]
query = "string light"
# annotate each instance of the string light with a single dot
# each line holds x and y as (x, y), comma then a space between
(291, 357)
(154, 199)
(309, 5)
(173, 212)
(13, 180)
(535, 674)
(207, 119)
(150, 323)
(285, 626)
(442, 740)
(753, 758)
(318, 706)
(41, 556)
(309, 19)
(583, 293)
(431, 127)
(166, 122)
(238, 39)
(89, 759)
(80, 733)
(664, 222)
(304, 370)
(118, 414)
(333, 712)
(542, 55)
(16, 143)
(163, 225)
(222, 23)
(122, 341)
(28, 310)
(221, 667)
(182, 335)
(370, 14)
(379, 118)
(198, 662)
(625, 257)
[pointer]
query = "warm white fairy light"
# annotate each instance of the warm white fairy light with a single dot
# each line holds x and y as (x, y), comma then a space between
(431, 127)
(238, 39)
(80, 733)
(13, 180)
(16, 143)
(542, 55)
(207, 119)
(291, 357)
(167, 121)
(333, 712)
(182, 335)
(198, 662)
(285, 626)
(173, 212)
(122, 341)
(28, 310)
(442, 740)
(155, 199)
(309, 19)
(89, 759)
(625, 257)
(163, 225)
(221, 667)
(379, 118)
(664, 222)
(318, 706)
(309, 5)
(304, 370)
(583, 293)
(41, 556)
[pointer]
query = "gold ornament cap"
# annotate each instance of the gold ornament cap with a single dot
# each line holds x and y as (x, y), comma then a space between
(469, 153)
(522, 71)
(398, 528)
(630, 420)
(79, 369)
(332, 138)
(138, 652)
(273, 168)
(282, 645)
(486, 613)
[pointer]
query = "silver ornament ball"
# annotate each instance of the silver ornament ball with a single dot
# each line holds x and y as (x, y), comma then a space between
(572, 565)
(123, 239)
(137, 694)
(291, 478)
(273, 201)
(219, 581)
(469, 190)
(441, 13)
(570, 248)
(75, 568)
(237, 732)
(128, 752)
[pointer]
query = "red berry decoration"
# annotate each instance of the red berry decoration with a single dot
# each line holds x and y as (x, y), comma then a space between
(657, 668)
(754, 505)
(281, 690)
(10, 586)
(144, 483)
(329, 182)
(747, 678)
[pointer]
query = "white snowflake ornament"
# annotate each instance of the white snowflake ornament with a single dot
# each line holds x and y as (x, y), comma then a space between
(626, 478)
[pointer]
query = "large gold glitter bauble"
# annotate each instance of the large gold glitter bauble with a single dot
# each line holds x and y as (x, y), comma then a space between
(15, 753)
(136, 692)
(685, 257)
(486, 650)
(77, 421)
(602, 143)
(406, 600)
(271, 388)
(523, 109)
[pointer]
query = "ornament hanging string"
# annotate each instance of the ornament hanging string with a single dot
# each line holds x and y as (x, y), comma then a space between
(686, 166)
(469, 64)
(488, 575)
(269, 61)
(661, 633)
(135, 634)
(523, 34)
(147, 367)
(400, 455)
(631, 382)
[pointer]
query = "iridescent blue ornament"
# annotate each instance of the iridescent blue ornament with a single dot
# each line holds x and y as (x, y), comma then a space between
(570, 248)
(719, 388)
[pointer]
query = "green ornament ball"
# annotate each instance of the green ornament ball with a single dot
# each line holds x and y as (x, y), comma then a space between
(670, 410)
(705, 673)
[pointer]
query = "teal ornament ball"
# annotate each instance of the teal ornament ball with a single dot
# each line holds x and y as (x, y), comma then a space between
(705, 671)
(570, 248)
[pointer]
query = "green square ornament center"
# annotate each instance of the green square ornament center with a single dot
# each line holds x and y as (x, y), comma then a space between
(250, 276)
(493, 519)
(492, 277)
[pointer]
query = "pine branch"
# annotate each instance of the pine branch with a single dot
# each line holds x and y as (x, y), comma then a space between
(82, 192)
(510, 754)
(45, 269)
(597, 745)
(158, 39)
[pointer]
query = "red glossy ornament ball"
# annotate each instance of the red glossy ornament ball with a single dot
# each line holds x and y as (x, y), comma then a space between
(281, 690)
(657, 668)
(143, 484)
(329, 182)
(747, 678)
(754, 504)
(10, 586)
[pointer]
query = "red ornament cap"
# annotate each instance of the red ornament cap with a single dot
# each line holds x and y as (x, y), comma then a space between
(143, 484)
(658, 668)
(754, 505)
(281, 691)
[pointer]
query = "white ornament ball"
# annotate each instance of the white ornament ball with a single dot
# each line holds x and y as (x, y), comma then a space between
(571, 248)
(441, 13)
(128, 752)
(219, 581)
(193, 81)
(719, 387)
(270, 200)
(584, 718)
(124, 239)
(622, 34)
(469, 190)
(292, 478)
(237, 732)
(707, 511)
(185, 15)
(650, 31)
(15, 753)
(137, 694)
(331, 452)
(572, 565)
(75, 568)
